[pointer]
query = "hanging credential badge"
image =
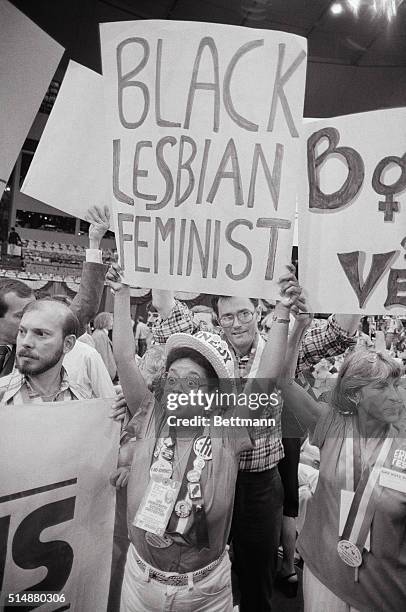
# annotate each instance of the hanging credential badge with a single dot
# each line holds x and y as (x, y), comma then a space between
(157, 505)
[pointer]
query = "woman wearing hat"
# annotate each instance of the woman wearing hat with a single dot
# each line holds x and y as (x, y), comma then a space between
(182, 479)
(353, 541)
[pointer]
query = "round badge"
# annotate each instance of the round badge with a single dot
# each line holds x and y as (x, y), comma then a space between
(160, 469)
(199, 464)
(158, 541)
(193, 476)
(183, 508)
(202, 448)
(349, 553)
(166, 453)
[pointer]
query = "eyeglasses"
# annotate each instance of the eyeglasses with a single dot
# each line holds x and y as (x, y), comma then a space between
(193, 383)
(243, 316)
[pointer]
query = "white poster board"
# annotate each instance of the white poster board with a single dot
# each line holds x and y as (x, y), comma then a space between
(28, 61)
(203, 123)
(56, 502)
(352, 216)
(68, 170)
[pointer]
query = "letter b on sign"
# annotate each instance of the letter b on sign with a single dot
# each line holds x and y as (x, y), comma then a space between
(355, 166)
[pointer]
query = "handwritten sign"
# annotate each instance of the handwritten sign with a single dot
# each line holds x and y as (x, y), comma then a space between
(352, 216)
(28, 60)
(56, 503)
(68, 170)
(203, 123)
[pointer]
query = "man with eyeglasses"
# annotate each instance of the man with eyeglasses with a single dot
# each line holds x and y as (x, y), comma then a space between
(259, 495)
(258, 505)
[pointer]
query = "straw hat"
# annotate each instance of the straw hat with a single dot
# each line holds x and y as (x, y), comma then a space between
(210, 346)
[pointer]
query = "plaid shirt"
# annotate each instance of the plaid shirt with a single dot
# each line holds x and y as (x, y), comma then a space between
(180, 320)
(16, 389)
(325, 341)
(328, 340)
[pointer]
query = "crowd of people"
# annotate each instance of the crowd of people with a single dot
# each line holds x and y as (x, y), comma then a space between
(200, 500)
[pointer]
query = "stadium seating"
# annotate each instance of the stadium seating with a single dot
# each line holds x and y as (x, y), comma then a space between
(55, 260)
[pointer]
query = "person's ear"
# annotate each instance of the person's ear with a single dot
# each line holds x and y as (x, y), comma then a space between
(68, 343)
(355, 398)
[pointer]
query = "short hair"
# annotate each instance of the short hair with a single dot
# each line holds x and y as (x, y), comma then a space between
(12, 285)
(361, 367)
(215, 300)
(102, 320)
(70, 323)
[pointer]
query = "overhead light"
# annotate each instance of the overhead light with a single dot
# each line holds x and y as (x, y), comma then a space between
(336, 8)
(354, 5)
(387, 8)
(380, 8)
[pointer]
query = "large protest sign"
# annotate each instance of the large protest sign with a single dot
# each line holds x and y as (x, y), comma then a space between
(68, 169)
(28, 60)
(203, 124)
(352, 214)
(56, 503)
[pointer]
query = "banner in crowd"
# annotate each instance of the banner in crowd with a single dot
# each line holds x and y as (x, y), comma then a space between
(28, 60)
(352, 214)
(203, 124)
(69, 170)
(56, 504)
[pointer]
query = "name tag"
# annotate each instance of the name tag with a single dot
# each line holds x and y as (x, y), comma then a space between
(393, 480)
(156, 506)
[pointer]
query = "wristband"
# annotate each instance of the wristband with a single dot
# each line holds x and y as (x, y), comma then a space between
(280, 319)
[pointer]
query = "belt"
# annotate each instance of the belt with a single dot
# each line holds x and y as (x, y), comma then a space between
(178, 579)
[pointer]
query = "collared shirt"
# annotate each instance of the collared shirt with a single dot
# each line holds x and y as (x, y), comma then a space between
(86, 369)
(16, 389)
(325, 341)
(179, 320)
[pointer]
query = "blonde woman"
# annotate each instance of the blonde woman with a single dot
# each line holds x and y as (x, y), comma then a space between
(353, 540)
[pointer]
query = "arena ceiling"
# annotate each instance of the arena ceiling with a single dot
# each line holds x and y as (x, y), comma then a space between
(366, 39)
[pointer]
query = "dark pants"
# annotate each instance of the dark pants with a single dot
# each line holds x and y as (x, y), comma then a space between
(120, 547)
(255, 532)
(288, 469)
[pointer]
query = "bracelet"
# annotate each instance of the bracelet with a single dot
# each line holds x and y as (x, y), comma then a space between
(280, 319)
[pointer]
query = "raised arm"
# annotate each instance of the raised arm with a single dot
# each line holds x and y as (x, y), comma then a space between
(306, 409)
(131, 379)
(87, 301)
(273, 357)
(302, 322)
(164, 301)
(332, 339)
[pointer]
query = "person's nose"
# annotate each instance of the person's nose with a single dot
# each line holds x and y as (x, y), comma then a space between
(236, 322)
